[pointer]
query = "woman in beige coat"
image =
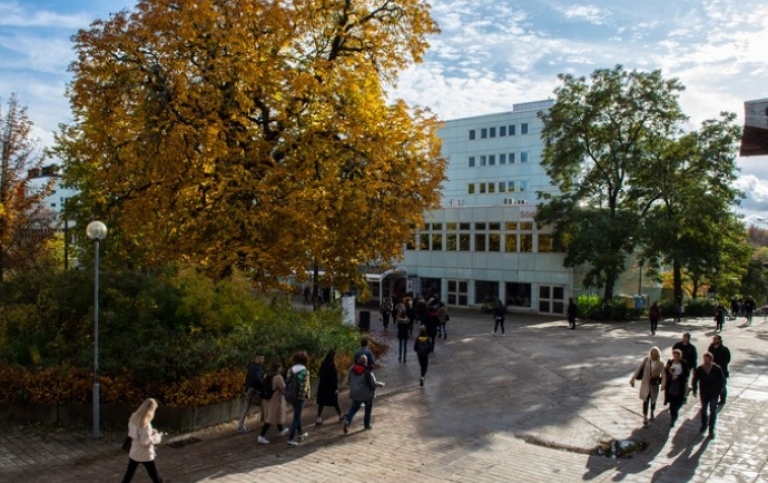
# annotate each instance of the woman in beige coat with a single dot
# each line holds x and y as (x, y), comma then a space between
(143, 440)
(273, 409)
(652, 378)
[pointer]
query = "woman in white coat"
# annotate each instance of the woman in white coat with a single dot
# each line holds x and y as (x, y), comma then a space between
(144, 439)
(652, 378)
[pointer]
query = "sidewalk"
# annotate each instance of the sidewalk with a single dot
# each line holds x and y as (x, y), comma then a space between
(525, 407)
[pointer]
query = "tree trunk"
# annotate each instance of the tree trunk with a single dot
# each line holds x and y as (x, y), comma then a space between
(315, 275)
(677, 279)
(610, 281)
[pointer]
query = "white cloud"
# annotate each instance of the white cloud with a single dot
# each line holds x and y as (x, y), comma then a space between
(590, 13)
(15, 15)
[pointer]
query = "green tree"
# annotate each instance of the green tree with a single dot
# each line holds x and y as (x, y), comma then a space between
(596, 139)
(252, 135)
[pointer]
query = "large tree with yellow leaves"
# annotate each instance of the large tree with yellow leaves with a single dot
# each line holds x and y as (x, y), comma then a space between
(253, 134)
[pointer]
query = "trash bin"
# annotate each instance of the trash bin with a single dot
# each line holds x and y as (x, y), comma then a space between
(365, 321)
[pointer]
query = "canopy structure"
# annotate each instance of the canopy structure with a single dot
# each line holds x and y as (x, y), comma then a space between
(383, 280)
(754, 140)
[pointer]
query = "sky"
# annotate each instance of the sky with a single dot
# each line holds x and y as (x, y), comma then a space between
(490, 55)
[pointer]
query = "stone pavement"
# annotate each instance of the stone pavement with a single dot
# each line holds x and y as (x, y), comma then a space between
(526, 407)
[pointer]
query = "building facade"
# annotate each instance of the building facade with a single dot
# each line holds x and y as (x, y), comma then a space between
(483, 243)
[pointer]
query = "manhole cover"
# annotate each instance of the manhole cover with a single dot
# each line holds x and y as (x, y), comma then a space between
(620, 448)
(180, 443)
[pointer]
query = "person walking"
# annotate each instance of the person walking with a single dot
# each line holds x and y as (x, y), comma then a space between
(499, 313)
(651, 375)
(720, 317)
(688, 350)
(443, 318)
(678, 309)
(433, 322)
(749, 308)
(362, 390)
(654, 314)
(386, 311)
(721, 356)
(143, 440)
(410, 312)
(403, 334)
(422, 348)
(328, 387)
(300, 373)
(573, 312)
(676, 388)
(365, 351)
(273, 409)
(708, 380)
(252, 389)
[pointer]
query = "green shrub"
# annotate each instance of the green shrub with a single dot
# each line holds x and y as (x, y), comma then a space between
(589, 306)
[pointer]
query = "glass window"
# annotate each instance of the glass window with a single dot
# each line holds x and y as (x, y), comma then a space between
(511, 158)
(510, 243)
(480, 226)
(491, 159)
(463, 226)
(437, 241)
(471, 161)
(424, 241)
(484, 133)
(450, 242)
(479, 242)
(502, 187)
(544, 292)
(494, 242)
(491, 187)
(471, 188)
(522, 185)
(526, 225)
(482, 160)
(471, 134)
(502, 131)
(511, 186)
(437, 226)
(526, 243)
(492, 132)
(450, 226)
(518, 294)
(464, 242)
(524, 157)
(524, 128)
(410, 243)
(486, 292)
(503, 158)
(545, 243)
(482, 187)
(511, 130)
(494, 226)
(510, 225)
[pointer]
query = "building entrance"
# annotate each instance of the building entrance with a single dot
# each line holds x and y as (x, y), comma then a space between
(551, 299)
(457, 293)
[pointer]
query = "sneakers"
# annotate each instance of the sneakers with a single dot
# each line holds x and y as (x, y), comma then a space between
(303, 436)
(368, 428)
(292, 443)
(284, 432)
(262, 440)
(243, 429)
(345, 427)
(421, 383)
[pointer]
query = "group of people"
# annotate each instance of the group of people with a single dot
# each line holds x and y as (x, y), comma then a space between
(708, 380)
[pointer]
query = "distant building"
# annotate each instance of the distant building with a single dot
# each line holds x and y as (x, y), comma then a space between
(754, 139)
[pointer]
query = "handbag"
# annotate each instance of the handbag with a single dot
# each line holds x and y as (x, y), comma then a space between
(127, 444)
(655, 381)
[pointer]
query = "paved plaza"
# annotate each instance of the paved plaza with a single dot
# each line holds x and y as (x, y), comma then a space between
(527, 407)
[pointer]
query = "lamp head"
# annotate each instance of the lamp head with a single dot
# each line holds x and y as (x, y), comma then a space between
(96, 230)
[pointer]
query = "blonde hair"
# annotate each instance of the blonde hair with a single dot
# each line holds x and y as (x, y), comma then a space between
(145, 413)
(657, 351)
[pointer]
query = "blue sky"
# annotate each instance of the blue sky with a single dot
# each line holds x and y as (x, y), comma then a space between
(491, 54)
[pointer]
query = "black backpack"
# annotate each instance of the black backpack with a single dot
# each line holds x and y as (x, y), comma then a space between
(266, 390)
(292, 387)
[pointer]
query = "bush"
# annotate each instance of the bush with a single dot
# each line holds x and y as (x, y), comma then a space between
(174, 334)
(698, 307)
(589, 306)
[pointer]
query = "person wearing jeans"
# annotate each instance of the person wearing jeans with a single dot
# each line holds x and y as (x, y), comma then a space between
(362, 390)
(708, 379)
(300, 371)
(422, 348)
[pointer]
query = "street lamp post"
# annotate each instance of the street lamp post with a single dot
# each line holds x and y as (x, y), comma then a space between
(96, 231)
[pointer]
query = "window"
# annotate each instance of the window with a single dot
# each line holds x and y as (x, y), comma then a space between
(471, 134)
(545, 243)
(522, 185)
(424, 241)
(518, 294)
(526, 225)
(409, 243)
(511, 130)
(464, 226)
(492, 132)
(480, 226)
(482, 160)
(471, 188)
(511, 186)
(494, 226)
(484, 133)
(526, 243)
(510, 225)
(437, 226)
(494, 242)
(450, 242)
(510, 243)
(471, 161)
(482, 187)
(480, 242)
(502, 187)
(503, 158)
(502, 131)
(464, 242)
(450, 226)
(486, 292)
(491, 187)
(524, 128)
(511, 158)
(491, 160)
(524, 157)
(437, 241)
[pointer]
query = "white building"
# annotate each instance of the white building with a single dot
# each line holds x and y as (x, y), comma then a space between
(483, 243)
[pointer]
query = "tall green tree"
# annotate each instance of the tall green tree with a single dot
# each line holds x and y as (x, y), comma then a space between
(243, 134)
(596, 138)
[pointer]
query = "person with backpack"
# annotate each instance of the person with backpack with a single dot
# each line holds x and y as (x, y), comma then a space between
(252, 389)
(423, 347)
(328, 387)
(297, 392)
(273, 403)
(362, 390)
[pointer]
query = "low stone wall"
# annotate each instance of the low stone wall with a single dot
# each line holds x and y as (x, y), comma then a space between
(166, 418)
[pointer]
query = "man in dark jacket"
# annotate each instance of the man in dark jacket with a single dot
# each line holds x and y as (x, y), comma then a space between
(365, 351)
(690, 355)
(362, 390)
(573, 312)
(252, 387)
(722, 357)
(709, 379)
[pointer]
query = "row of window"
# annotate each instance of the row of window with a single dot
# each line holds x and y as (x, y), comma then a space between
(503, 187)
(490, 132)
(490, 159)
(482, 242)
(481, 225)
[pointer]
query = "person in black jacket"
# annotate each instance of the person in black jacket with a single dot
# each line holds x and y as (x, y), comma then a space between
(328, 387)
(252, 387)
(422, 348)
(573, 312)
(677, 370)
(690, 355)
(722, 357)
(708, 380)
(499, 314)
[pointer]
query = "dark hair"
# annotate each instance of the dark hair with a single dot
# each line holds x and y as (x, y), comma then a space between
(301, 357)
(329, 356)
(364, 342)
(275, 368)
(423, 332)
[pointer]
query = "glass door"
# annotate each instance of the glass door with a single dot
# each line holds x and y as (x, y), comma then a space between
(457, 292)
